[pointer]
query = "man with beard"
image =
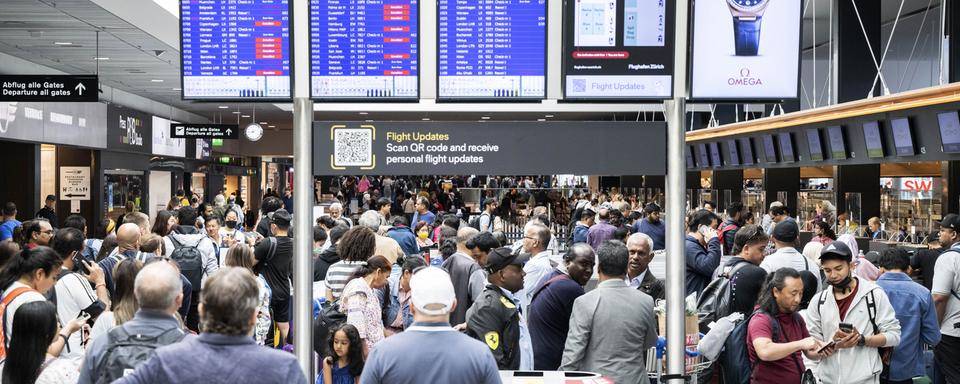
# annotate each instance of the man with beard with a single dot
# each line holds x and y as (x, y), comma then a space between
(777, 334)
(552, 303)
(639, 275)
(856, 315)
(652, 226)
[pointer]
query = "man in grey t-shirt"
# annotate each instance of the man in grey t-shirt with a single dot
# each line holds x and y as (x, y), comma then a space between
(946, 296)
(461, 265)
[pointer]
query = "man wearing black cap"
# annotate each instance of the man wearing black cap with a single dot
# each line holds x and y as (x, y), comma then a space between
(274, 256)
(49, 211)
(495, 317)
(784, 239)
(946, 297)
(924, 261)
(652, 226)
(855, 314)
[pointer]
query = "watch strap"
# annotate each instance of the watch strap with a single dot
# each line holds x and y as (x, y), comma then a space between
(746, 35)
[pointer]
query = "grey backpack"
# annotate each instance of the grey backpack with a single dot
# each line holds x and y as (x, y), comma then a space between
(126, 351)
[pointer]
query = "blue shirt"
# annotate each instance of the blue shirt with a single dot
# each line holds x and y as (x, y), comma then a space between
(549, 320)
(428, 217)
(657, 231)
(452, 358)
(216, 358)
(580, 233)
(918, 324)
(6, 229)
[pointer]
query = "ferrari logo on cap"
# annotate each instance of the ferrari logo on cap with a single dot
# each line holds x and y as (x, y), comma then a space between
(493, 339)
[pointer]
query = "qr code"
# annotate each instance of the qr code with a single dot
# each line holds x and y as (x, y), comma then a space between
(352, 147)
(579, 85)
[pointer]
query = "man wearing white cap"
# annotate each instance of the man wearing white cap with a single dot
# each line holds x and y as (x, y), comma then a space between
(453, 356)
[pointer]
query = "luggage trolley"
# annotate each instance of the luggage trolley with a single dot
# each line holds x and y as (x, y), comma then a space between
(694, 363)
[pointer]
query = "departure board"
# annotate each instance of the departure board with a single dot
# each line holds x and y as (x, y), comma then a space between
(362, 49)
(492, 49)
(235, 49)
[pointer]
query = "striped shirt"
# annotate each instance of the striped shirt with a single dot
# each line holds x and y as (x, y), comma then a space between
(339, 274)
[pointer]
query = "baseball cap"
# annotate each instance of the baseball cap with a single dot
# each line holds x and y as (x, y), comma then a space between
(836, 250)
(951, 221)
(933, 238)
(51, 198)
(432, 291)
(775, 204)
(786, 231)
(281, 216)
(500, 258)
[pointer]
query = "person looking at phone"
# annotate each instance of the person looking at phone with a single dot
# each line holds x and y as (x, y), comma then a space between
(777, 333)
(855, 314)
(702, 250)
(72, 293)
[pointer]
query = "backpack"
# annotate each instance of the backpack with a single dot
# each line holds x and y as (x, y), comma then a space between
(51, 295)
(475, 222)
(328, 319)
(735, 358)
(9, 298)
(714, 303)
(125, 351)
(726, 227)
(190, 260)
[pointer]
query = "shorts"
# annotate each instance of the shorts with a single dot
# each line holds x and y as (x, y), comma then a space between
(280, 306)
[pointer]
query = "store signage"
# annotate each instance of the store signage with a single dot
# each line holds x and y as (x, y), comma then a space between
(64, 88)
(129, 130)
(74, 183)
(205, 131)
(164, 144)
(746, 49)
(79, 124)
(426, 148)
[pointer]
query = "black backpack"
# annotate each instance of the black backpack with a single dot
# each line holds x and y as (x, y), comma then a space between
(475, 221)
(190, 260)
(715, 301)
(125, 351)
(734, 361)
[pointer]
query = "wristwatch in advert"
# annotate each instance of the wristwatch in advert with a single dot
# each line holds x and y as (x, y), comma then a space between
(746, 24)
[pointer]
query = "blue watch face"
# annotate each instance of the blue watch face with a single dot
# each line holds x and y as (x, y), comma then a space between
(748, 3)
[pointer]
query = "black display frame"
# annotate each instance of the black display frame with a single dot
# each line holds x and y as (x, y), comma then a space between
(746, 145)
(810, 145)
(943, 144)
(844, 151)
(880, 136)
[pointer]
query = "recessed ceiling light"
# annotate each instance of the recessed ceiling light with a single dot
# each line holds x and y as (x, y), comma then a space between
(548, 116)
(156, 80)
(485, 117)
(224, 107)
(425, 119)
(368, 121)
(364, 113)
(263, 123)
(101, 58)
(244, 116)
(235, 112)
(177, 89)
(62, 43)
(271, 126)
(541, 119)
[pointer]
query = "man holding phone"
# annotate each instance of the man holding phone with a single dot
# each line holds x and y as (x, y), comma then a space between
(72, 293)
(855, 314)
(702, 250)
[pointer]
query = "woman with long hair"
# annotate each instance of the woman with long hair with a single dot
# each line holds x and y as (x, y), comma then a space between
(824, 233)
(28, 361)
(361, 305)
(162, 225)
(241, 255)
(27, 278)
(124, 304)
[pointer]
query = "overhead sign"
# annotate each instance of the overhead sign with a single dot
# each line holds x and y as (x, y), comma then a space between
(163, 143)
(129, 130)
(205, 131)
(427, 148)
(74, 183)
(82, 88)
(746, 50)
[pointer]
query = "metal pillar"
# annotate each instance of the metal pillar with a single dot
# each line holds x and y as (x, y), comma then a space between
(675, 111)
(302, 192)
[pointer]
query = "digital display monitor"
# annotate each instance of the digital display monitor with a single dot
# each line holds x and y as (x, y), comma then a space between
(618, 49)
(746, 49)
(690, 162)
(769, 149)
(733, 152)
(838, 144)
(235, 50)
(363, 49)
(746, 149)
(715, 155)
(492, 49)
(704, 156)
(873, 139)
(786, 147)
(949, 131)
(816, 147)
(902, 137)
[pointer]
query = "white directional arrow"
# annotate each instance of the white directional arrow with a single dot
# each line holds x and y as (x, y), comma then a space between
(80, 88)
(229, 131)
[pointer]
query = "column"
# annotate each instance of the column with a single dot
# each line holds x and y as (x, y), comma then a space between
(863, 179)
(782, 180)
(728, 180)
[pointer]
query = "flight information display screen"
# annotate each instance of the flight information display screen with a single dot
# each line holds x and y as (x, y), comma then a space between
(364, 49)
(492, 49)
(235, 49)
(618, 49)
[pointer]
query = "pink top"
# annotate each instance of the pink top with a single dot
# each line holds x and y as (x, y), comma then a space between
(363, 311)
(364, 185)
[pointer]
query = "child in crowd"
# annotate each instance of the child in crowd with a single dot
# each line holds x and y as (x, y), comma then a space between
(345, 362)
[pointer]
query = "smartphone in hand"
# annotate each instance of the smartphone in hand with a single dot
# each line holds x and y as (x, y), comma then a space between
(846, 327)
(828, 346)
(78, 261)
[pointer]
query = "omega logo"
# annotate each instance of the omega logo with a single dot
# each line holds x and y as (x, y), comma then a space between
(744, 79)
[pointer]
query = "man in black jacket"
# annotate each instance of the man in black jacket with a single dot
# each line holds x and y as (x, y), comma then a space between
(639, 275)
(495, 318)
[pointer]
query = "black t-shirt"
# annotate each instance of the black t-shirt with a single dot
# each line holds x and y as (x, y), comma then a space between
(278, 270)
(746, 285)
(925, 261)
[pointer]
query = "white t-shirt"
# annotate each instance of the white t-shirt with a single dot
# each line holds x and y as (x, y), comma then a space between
(11, 311)
(947, 279)
(74, 294)
(789, 257)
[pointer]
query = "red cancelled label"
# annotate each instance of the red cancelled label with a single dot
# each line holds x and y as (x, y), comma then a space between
(396, 56)
(397, 13)
(268, 56)
(396, 29)
(268, 23)
(601, 55)
(396, 72)
(396, 18)
(396, 6)
(262, 72)
(396, 40)
(269, 40)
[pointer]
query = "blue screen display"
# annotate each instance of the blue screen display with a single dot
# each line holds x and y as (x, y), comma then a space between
(364, 49)
(902, 137)
(816, 148)
(746, 148)
(715, 155)
(786, 147)
(769, 151)
(235, 49)
(734, 153)
(492, 49)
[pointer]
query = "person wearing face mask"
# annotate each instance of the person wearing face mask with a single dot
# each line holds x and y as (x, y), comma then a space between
(232, 228)
(856, 315)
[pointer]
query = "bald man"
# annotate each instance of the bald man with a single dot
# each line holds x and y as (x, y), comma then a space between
(158, 292)
(461, 265)
(128, 246)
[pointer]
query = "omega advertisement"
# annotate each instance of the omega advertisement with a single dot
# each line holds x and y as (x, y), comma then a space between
(746, 49)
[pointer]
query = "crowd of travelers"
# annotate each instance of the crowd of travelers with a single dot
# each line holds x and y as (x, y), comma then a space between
(201, 294)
